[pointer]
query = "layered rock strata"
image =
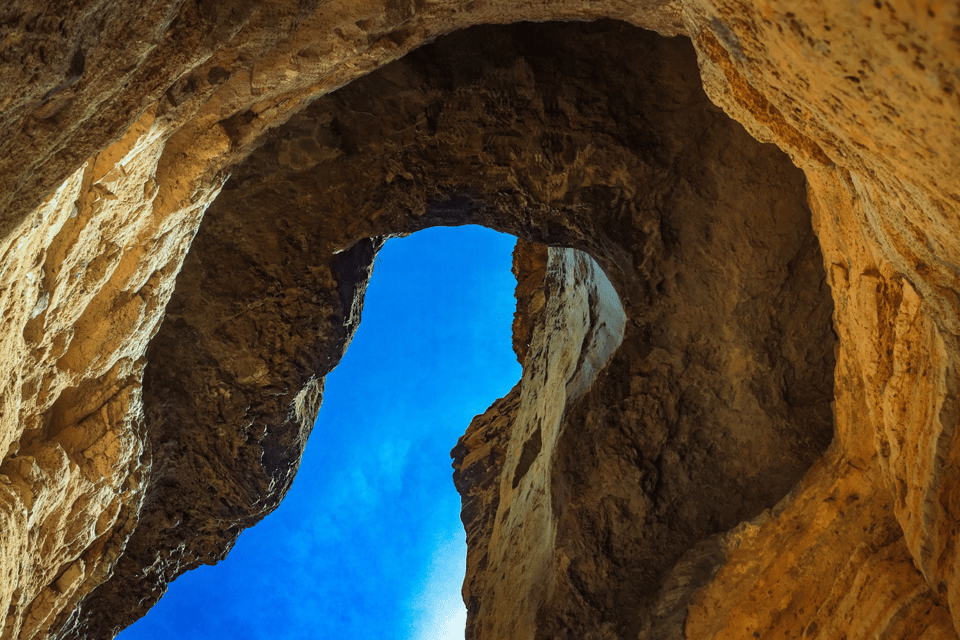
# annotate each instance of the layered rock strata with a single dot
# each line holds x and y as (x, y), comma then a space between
(706, 416)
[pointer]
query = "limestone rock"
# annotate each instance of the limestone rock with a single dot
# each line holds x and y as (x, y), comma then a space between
(771, 449)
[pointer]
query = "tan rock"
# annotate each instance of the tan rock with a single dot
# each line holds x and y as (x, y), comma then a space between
(667, 494)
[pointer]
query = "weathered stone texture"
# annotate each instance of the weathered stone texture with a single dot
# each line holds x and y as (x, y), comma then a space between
(669, 496)
(439, 139)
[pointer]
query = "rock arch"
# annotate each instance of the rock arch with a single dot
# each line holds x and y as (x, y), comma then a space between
(862, 98)
(722, 402)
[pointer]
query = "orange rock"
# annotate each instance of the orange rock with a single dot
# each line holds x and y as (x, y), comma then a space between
(660, 490)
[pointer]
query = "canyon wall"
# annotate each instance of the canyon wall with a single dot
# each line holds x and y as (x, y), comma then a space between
(769, 451)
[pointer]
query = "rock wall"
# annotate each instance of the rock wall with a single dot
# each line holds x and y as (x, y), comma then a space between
(672, 497)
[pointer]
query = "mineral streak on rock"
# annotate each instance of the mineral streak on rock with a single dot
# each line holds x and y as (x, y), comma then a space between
(668, 494)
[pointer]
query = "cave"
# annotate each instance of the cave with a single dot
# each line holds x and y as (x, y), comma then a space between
(590, 142)
(735, 304)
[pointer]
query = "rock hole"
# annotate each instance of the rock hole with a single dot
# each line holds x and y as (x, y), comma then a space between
(373, 516)
(709, 412)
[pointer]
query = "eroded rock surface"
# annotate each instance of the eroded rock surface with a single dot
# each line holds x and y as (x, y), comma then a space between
(669, 499)
(534, 142)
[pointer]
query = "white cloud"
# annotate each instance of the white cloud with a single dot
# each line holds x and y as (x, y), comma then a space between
(438, 611)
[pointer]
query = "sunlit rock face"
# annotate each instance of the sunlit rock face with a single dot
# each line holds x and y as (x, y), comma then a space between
(660, 490)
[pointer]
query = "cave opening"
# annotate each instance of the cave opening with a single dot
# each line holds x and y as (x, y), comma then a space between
(368, 542)
(595, 137)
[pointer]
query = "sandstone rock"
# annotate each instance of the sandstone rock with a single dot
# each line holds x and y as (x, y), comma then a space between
(666, 494)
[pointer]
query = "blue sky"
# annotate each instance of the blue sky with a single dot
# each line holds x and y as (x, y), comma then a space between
(368, 543)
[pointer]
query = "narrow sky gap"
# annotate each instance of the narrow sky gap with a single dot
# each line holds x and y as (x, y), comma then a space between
(368, 543)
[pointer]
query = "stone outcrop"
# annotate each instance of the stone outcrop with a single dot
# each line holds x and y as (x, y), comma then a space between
(756, 436)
